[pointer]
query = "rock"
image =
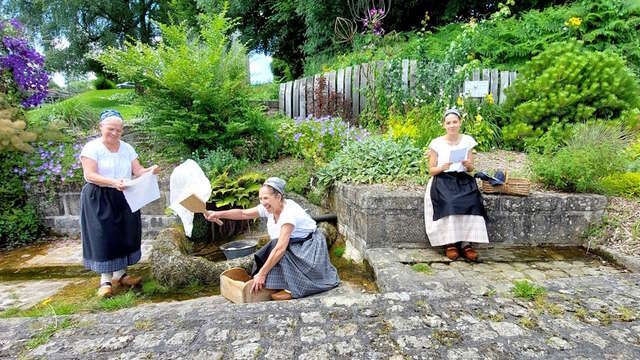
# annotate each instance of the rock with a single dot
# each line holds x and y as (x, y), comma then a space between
(330, 232)
(506, 329)
(173, 269)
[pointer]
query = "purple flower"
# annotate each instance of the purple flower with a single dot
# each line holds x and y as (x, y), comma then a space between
(296, 137)
(27, 185)
(31, 162)
(50, 143)
(41, 178)
(320, 145)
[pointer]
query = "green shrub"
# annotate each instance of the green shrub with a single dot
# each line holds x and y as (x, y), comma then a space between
(300, 182)
(102, 83)
(215, 162)
(71, 114)
(421, 124)
(624, 184)
(592, 152)
(239, 192)
(569, 84)
(19, 226)
(19, 222)
(373, 160)
(196, 84)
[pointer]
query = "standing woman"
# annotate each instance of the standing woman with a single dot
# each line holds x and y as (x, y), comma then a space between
(111, 233)
(454, 215)
(295, 261)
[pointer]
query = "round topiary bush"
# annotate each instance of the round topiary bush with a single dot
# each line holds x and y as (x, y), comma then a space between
(568, 83)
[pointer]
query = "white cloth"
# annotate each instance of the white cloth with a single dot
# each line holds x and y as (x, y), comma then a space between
(440, 146)
(292, 213)
(142, 191)
(453, 228)
(112, 165)
(186, 179)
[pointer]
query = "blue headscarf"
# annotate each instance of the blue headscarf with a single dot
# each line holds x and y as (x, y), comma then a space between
(109, 113)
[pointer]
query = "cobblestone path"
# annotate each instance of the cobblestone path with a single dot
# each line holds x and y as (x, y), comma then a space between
(454, 311)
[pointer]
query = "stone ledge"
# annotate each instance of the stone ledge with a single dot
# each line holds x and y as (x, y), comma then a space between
(70, 224)
(375, 216)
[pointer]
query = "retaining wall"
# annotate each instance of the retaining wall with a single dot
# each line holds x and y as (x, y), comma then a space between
(61, 212)
(377, 216)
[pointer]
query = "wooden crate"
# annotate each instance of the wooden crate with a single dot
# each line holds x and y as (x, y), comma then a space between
(235, 285)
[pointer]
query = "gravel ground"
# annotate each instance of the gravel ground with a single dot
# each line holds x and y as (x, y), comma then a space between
(621, 227)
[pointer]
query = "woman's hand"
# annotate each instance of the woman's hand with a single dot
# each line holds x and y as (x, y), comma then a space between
(468, 164)
(211, 215)
(155, 169)
(444, 167)
(258, 282)
(119, 184)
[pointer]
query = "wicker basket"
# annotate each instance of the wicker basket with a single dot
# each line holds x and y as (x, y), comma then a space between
(235, 285)
(511, 186)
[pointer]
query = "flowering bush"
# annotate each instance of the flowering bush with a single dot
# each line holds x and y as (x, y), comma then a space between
(51, 164)
(373, 22)
(318, 139)
(22, 68)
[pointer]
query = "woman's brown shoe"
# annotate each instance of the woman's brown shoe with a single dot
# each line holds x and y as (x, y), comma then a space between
(452, 252)
(470, 254)
(127, 280)
(281, 295)
(105, 291)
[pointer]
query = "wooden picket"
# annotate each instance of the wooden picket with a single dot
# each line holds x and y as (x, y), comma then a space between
(346, 86)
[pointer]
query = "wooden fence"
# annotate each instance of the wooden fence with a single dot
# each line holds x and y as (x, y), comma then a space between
(297, 97)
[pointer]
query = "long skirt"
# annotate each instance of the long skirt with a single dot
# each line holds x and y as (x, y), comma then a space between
(452, 228)
(304, 269)
(111, 233)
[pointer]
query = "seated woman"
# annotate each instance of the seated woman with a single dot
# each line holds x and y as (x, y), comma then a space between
(296, 260)
(454, 215)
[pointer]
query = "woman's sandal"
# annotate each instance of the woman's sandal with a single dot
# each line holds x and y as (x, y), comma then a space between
(105, 290)
(452, 252)
(469, 253)
(126, 280)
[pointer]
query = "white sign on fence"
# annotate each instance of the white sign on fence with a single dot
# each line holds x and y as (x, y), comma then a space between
(476, 89)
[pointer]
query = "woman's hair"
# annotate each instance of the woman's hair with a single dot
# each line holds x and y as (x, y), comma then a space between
(276, 185)
(453, 111)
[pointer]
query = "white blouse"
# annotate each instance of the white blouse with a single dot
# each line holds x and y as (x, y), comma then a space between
(292, 213)
(443, 149)
(113, 165)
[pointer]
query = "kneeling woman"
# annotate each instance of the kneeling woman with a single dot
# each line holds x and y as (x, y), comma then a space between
(454, 215)
(296, 260)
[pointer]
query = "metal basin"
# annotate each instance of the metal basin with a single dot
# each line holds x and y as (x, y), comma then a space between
(239, 248)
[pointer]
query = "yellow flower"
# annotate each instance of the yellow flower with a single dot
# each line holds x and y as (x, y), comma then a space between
(478, 118)
(47, 301)
(574, 22)
(490, 98)
(460, 102)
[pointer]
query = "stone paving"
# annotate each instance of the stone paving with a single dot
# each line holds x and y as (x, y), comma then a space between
(24, 294)
(456, 311)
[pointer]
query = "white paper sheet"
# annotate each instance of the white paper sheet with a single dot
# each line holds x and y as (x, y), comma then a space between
(457, 155)
(141, 191)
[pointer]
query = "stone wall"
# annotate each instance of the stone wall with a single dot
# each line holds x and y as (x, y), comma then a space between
(377, 216)
(61, 212)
